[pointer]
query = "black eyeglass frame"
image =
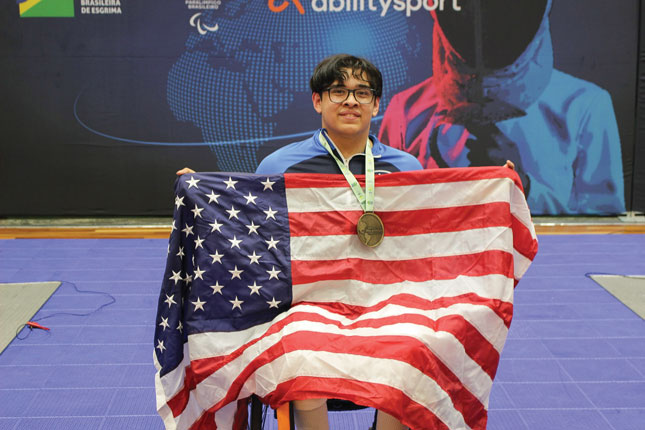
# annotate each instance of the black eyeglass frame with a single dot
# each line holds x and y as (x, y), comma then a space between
(352, 92)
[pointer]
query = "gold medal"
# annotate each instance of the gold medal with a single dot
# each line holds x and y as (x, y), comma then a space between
(370, 229)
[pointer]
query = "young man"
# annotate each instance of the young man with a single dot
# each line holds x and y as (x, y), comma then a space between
(346, 92)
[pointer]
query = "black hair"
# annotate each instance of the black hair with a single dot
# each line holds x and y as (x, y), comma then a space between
(332, 69)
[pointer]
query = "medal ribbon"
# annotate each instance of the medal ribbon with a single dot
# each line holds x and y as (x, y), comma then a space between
(366, 199)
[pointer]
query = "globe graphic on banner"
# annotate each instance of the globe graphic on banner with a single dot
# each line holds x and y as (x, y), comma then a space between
(244, 77)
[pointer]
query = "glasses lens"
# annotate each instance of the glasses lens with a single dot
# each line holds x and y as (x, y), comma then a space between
(363, 95)
(340, 94)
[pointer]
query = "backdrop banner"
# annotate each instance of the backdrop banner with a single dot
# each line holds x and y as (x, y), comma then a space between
(106, 99)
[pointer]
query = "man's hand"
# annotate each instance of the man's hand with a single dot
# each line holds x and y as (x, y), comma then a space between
(184, 171)
(510, 164)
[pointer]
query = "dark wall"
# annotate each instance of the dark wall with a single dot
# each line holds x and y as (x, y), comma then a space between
(101, 109)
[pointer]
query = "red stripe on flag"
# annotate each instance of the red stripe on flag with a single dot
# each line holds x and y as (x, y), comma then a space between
(178, 402)
(390, 272)
(523, 240)
(193, 375)
(403, 223)
(504, 310)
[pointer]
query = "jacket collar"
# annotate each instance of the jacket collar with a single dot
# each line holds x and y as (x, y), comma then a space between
(377, 146)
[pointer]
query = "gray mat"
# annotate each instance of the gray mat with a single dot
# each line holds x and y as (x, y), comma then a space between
(628, 289)
(18, 303)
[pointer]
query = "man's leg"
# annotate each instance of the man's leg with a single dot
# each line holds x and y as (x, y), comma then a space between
(311, 414)
(385, 421)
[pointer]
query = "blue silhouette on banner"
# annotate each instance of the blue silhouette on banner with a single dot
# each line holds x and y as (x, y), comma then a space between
(494, 97)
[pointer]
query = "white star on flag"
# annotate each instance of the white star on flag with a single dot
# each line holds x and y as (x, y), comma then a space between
(212, 197)
(268, 185)
(254, 258)
(272, 243)
(197, 211)
(164, 322)
(180, 327)
(179, 201)
(180, 254)
(160, 346)
(235, 242)
(216, 257)
(235, 273)
(198, 243)
(199, 273)
(270, 213)
(188, 229)
(192, 182)
(273, 273)
(176, 276)
(232, 213)
(216, 226)
(217, 288)
(253, 228)
(170, 300)
(255, 288)
(198, 304)
(237, 303)
(230, 183)
(274, 303)
(250, 198)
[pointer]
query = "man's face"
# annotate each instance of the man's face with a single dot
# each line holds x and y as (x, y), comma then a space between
(349, 119)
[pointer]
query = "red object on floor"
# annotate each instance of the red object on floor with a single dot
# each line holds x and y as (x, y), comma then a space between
(32, 325)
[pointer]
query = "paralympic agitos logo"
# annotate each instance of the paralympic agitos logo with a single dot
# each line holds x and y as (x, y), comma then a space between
(383, 6)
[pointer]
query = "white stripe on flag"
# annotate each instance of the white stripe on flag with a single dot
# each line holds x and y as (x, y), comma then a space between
(172, 381)
(355, 292)
(520, 265)
(521, 211)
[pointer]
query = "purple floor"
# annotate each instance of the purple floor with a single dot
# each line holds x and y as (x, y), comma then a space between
(574, 359)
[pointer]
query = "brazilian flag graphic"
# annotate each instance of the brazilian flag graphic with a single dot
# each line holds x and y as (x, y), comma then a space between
(46, 8)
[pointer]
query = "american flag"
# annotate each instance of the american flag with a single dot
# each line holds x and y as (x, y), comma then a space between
(269, 291)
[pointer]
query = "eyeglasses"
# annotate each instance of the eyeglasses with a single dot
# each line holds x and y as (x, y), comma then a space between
(340, 94)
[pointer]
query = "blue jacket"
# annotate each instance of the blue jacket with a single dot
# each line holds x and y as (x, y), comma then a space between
(309, 156)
